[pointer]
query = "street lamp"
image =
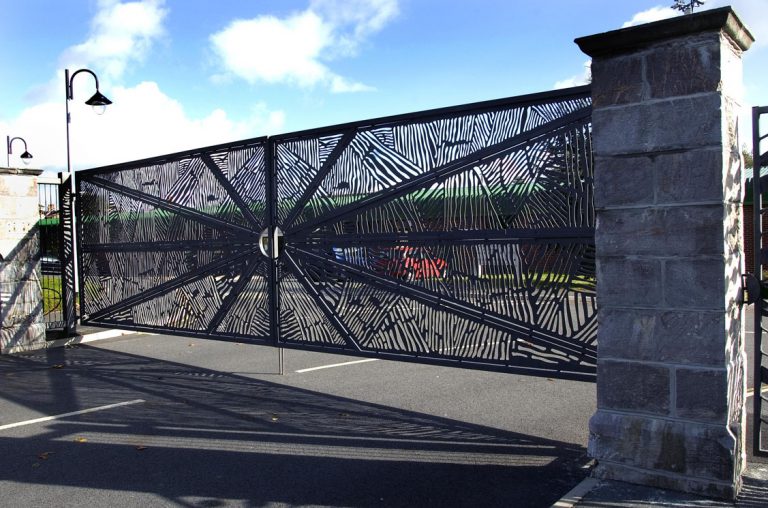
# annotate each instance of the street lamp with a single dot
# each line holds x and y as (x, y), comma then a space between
(24, 157)
(99, 102)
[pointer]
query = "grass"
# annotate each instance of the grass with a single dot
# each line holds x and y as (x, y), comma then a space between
(51, 285)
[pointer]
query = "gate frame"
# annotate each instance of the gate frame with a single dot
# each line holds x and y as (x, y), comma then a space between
(578, 117)
(760, 287)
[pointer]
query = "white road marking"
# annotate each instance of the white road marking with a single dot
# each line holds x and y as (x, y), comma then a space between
(576, 494)
(73, 413)
(301, 371)
(441, 351)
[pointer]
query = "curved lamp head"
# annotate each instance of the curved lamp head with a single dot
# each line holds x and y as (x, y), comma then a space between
(99, 103)
(26, 158)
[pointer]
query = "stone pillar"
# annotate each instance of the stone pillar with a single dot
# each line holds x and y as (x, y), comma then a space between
(21, 298)
(671, 364)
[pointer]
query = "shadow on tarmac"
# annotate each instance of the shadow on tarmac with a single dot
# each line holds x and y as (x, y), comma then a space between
(206, 438)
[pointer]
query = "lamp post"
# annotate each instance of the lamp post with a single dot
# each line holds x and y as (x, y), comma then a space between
(24, 157)
(98, 102)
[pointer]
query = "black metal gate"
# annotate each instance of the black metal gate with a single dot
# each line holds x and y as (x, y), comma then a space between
(760, 359)
(460, 236)
(56, 256)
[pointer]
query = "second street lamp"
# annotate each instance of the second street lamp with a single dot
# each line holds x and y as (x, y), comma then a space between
(98, 101)
(25, 157)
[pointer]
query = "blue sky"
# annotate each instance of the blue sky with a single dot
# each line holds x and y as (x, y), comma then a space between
(190, 73)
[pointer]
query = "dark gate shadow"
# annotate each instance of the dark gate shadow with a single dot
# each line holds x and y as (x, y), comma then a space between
(203, 437)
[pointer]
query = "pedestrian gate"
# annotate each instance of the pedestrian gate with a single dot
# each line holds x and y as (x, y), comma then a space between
(759, 294)
(460, 236)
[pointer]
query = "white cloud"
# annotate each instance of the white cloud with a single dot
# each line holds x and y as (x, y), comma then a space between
(354, 20)
(142, 121)
(120, 33)
(653, 14)
(295, 49)
(577, 79)
(274, 50)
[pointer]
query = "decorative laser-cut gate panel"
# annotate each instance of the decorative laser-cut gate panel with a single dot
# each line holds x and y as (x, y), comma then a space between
(462, 236)
(170, 244)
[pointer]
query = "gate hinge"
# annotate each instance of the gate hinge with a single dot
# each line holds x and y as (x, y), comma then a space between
(750, 289)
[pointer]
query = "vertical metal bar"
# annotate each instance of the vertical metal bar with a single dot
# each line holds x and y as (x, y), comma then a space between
(77, 233)
(42, 200)
(67, 97)
(270, 179)
(63, 182)
(757, 206)
(71, 250)
(66, 256)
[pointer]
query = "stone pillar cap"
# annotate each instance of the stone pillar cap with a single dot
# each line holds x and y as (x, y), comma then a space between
(20, 171)
(637, 37)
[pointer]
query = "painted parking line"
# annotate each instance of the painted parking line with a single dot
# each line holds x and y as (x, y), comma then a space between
(73, 413)
(344, 364)
(301, 371)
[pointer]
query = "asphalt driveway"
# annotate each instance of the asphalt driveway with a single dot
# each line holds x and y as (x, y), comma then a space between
(153, 420)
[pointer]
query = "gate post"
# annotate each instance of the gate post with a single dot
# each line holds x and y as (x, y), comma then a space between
(21, 297)
(671, 365)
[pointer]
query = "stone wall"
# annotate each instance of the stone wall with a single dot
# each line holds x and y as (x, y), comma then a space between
(667, 192)
(21, 299)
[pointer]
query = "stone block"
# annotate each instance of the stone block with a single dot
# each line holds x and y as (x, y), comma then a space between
(732, 69)
(20, 303)
(683, 123)
(684, 67)
(606, 470)
(733, 165)
(17, 207)
(689, 177)
(618, 80)
(22, 260)
(22, 338)
(11, 272)
(700, 451)
(629, 386)
(702, 394)
(623, 181)
(629, 282)
(683, 337)
(17, 228)
(18, 186)
(675, 231)
(694, 284)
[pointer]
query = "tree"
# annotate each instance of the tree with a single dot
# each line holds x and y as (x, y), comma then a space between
(748, 161)
(687, 6)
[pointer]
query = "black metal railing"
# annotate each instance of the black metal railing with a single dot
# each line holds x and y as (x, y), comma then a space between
(49, 228)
